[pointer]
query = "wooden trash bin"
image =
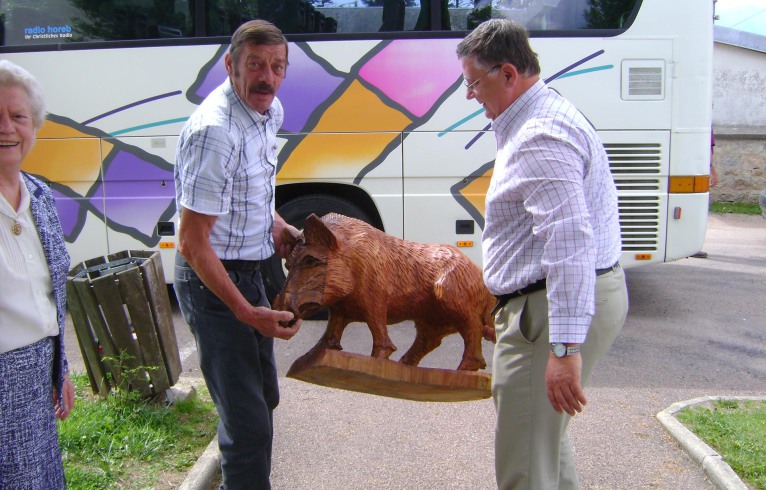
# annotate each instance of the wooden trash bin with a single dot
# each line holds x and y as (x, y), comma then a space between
(121, 314)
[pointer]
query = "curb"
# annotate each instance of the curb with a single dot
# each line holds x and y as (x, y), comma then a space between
(205, 470)
(715, 468)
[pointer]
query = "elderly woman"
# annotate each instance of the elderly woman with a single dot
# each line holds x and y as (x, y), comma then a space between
(34, 383)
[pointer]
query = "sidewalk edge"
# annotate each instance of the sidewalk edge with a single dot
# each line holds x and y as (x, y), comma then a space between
(715, 468)
(205, 470)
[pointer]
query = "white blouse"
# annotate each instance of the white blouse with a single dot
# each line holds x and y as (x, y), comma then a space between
(27, 307)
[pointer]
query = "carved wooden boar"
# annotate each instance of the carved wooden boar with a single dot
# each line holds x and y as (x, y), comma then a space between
(362, 274)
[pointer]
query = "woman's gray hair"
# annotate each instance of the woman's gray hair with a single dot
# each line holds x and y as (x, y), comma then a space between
(498, 41)
(12, 74)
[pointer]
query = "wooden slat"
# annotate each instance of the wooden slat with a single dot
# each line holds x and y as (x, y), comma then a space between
(108, 295)
(98, 324)
(356, 372)
(154, 282)
(132, 291)
(99, 382)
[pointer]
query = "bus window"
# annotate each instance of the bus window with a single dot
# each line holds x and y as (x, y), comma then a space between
(362, 16)
(544, 15)
(61, 21)
(222, 17)
(34, 22)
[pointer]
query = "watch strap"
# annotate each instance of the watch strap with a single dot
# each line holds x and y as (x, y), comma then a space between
(561, 350)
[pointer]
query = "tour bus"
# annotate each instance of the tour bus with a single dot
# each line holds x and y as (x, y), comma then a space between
(377, 125)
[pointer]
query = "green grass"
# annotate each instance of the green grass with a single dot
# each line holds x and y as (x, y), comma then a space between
(127, 442)
(737, 431)
(735, 208)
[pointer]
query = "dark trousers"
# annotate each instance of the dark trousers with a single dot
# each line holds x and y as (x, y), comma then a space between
(240, 372)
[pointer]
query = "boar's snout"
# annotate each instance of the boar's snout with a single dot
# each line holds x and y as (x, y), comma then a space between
(307, 310)
(280, 305)
(288, 302)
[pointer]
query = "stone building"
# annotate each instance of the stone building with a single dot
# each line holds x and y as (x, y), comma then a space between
(739, 115)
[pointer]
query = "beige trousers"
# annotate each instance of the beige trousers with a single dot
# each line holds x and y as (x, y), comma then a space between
(532, 450)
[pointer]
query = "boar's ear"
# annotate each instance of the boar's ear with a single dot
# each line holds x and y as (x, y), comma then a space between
(316, 231)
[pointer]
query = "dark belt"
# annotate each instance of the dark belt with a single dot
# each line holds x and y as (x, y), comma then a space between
(601, 272)
(537, 286)
(241, 265)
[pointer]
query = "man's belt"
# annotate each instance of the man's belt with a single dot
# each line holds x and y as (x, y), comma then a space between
(537, 286)
(241, 265)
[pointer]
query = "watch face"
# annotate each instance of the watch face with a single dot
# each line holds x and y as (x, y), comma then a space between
(559, 350)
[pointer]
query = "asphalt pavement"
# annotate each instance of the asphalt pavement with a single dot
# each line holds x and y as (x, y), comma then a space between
(695, 331)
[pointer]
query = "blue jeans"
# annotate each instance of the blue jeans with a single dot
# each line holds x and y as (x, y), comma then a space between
(240, 372)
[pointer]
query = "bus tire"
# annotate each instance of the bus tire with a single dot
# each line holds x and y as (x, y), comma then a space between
(295, 212)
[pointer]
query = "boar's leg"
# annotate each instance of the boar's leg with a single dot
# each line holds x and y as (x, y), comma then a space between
(427, 338)
(382, 345)
(336, 324)
(472, 333)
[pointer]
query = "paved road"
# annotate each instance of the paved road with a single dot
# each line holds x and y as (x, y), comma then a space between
(696, 327)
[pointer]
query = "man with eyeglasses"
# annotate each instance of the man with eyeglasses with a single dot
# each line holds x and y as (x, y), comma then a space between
(225, 171)
(551, 245)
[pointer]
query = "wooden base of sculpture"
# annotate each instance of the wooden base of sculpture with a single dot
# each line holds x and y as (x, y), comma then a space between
(365, 374)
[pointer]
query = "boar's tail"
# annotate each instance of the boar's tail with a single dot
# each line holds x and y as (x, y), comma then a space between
(488, 332)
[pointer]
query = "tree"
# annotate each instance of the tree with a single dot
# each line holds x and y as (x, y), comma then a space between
(608, 14)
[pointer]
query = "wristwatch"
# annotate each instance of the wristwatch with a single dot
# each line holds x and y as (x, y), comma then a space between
(561, 350)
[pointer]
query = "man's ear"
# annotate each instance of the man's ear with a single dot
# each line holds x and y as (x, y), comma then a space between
(509, 72)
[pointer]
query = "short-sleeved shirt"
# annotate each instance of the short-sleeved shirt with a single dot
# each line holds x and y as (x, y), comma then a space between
(551, 209)
(226, 166)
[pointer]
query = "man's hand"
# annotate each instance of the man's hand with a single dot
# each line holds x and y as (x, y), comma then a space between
(194, 245)
(562, 379)
(283, 247)
(270, 323)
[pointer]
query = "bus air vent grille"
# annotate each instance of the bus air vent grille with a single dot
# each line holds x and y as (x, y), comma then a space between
(645, 81)
(634, 158)
(639, 223)
(642, 80)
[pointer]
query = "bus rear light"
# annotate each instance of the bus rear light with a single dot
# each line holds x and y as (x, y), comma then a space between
(688, 184)
(465, 244)
(167, 245)
(701, 183)
(643, 256)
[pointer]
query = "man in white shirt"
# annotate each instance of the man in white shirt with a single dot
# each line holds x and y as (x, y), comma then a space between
(551, 246)
(225, 176)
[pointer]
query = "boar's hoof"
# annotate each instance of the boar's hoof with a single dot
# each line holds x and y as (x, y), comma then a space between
(382, 352)
(471, 365)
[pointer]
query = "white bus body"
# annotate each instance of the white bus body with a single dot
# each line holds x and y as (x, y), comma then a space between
(377, 123)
